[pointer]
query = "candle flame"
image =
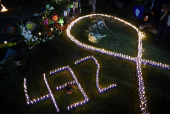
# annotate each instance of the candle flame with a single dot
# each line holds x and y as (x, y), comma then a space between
(3, 9)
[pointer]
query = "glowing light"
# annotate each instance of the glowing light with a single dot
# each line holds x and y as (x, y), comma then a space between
(64, 85)
(34, 100)
(51, 94)
(138, 60)
(97, 73)
(72, 82)
(3, 8)
(141, 90)
(51, 29)
(75, 81)
(5, 42)
(137, 12)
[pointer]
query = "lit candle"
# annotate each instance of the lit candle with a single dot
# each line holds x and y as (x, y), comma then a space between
(39, 33)
(51, 29)
(5, 42)
(3, 8)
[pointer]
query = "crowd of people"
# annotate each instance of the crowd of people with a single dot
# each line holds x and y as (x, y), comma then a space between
(157, 23)
(164, 25)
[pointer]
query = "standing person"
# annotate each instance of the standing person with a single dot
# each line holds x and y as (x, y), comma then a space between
(164, 25)
(93, 3)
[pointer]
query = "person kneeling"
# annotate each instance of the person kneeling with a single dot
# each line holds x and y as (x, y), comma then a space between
(152, 21)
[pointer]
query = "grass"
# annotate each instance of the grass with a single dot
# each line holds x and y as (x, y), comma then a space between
(156, 53)
(157, 89)
(61, 52)
(115, 41)
(123, 101)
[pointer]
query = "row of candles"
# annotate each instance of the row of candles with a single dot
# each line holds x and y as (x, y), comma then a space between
(34, 100)
(81, 89)
(141, 89)
(50, 95)
(138, 60)
(64, 85)
(97, 73)
(142, 96)
(75, 81)
(86, 99)
(142, 92)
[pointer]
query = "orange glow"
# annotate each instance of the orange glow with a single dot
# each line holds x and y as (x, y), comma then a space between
(3, 9)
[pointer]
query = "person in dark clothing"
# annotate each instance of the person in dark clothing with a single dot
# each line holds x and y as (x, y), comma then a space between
(164, 25)
(152, 21)
(158, 3)
(93, 3)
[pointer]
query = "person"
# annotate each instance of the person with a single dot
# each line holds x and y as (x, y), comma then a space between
(164, 25)
(79, 3)
(93, 3)
(152, 21)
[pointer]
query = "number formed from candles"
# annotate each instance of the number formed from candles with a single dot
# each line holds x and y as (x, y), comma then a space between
(138, 60)
(75, 81)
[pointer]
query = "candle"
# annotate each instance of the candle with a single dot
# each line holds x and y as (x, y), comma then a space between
(61, 24)
(3, 8)
(5, 42)
(51, 29)
(39, 33)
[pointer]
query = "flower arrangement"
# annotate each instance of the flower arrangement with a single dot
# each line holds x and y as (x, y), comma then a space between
(32, 40)
(52, 26)
(92, 38)
(93, 34)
